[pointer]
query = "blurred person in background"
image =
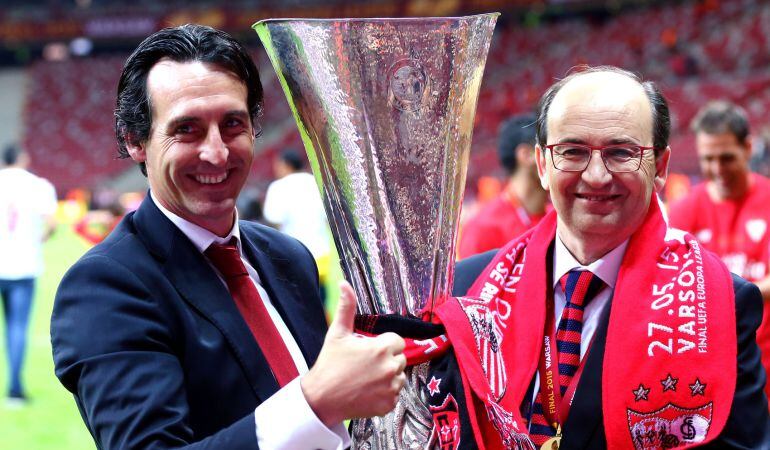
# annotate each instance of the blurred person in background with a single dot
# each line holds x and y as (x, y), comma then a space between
(98, 223)
(293, 205)
(522, 202)
(27, 208)
(250, 206)
(730, 211)
(187, 327)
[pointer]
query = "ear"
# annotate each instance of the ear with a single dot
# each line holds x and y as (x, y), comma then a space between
(661, 169)
(525, 154)
(542, 171)
(136, 150)
(748, 146)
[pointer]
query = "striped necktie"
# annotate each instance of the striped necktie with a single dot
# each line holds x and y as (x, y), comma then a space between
(580, 286)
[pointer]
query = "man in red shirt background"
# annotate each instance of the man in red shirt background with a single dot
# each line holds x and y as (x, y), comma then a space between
(521, 204)
(730, 211)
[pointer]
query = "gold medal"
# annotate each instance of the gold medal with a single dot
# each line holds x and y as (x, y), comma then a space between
(553, 443)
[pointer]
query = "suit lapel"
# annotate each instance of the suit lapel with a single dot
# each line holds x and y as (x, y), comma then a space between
(198, 284)
(275, 273)
(585, 417)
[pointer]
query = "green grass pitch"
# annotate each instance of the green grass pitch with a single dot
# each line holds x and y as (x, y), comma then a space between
(51, 420)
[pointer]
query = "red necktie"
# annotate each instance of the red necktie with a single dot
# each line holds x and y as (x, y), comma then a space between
(580, 286)
(227, 259)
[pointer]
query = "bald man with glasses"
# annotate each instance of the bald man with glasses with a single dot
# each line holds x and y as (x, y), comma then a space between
(614, 330)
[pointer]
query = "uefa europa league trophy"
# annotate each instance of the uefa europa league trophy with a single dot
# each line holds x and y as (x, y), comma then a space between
(385, 108)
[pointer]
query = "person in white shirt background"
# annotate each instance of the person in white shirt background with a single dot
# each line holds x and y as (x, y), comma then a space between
(27, 208)
(293, 205)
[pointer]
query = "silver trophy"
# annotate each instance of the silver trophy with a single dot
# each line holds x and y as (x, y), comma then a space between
(385, 108)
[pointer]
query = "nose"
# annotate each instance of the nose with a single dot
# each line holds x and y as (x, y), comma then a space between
(213, 149)
(716, 167)
(596, 173)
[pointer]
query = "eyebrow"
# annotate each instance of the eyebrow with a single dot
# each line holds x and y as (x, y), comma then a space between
(616, 141)
(180, 120)
(238, 113)
(717, 155)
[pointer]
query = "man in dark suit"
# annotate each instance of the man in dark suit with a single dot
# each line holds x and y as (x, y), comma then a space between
(591, 126)
(186, 328)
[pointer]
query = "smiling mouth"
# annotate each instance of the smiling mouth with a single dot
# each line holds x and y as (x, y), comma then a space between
(211, 179)
(597, 197)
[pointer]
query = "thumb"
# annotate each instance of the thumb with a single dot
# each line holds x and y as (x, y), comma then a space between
(344, 318)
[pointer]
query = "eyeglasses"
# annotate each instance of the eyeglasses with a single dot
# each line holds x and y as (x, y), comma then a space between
(617, 158)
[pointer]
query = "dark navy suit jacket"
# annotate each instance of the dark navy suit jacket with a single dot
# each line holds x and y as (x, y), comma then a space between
(748, 426)
(150, 343)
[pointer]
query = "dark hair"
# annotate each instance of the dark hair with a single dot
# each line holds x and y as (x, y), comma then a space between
(661, 119)
(722, 116)
(11, 154)
(293, 159)
(186, 43)
(513, 132)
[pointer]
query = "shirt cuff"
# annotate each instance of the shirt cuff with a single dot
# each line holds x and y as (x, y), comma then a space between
(286, 421)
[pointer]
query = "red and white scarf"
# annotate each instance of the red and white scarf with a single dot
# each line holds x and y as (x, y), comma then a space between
(667, 382)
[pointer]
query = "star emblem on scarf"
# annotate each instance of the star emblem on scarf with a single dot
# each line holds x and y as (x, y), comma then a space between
(433, 385)
(697, 388)
(669, 383)
(641, 393)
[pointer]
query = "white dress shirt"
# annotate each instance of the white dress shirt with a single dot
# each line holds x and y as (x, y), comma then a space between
(606, 268)
(285, 420)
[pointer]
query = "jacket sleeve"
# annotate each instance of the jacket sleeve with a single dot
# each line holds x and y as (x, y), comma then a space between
(114, 349)
(748, 426)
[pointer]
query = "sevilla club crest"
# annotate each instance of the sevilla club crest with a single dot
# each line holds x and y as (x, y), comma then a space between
(669, 427)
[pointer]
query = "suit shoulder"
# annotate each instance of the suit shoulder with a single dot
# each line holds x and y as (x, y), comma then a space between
(468, 269)
(748, 299)
(279, 242)
(122, 244)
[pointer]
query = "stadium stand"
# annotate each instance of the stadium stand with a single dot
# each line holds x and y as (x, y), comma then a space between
(68, 121)
(696, 50)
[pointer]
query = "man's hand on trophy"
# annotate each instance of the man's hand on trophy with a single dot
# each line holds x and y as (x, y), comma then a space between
(354, 376)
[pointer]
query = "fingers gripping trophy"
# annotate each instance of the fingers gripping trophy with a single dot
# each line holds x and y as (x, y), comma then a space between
(385, 108)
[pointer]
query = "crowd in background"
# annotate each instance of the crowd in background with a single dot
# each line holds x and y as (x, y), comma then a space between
(680, 46)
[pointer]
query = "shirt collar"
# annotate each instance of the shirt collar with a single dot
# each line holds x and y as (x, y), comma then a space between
(199, 236)
(606, 267)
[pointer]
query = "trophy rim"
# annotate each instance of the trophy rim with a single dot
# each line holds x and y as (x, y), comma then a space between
(371, 19)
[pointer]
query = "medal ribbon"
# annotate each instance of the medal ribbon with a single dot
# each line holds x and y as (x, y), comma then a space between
(552, 405)
(557, 415)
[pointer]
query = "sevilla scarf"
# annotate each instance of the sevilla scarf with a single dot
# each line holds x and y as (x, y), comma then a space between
(665, 384)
